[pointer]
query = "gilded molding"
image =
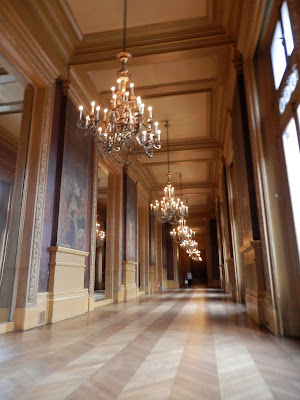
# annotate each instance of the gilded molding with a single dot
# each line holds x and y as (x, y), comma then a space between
(40, 200)
(93, 227)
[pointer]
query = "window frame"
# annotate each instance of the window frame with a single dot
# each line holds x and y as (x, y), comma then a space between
(291, 59)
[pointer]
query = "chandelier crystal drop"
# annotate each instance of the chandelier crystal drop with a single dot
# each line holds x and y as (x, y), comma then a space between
(169, 209)
(100, 235)
(189, 245)
(124, 127)
(182, 232)
(195, 255)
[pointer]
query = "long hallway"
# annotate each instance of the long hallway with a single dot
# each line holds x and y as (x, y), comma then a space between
(180, 344)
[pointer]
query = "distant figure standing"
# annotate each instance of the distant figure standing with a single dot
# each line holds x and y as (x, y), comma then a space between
(189, 277)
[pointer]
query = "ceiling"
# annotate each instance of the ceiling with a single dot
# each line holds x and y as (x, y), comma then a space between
(182, 59)
(108, 16)
(182, 66)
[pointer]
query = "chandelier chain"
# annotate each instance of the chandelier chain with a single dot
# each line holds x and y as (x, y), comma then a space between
(180, 186)
(125, 26)
(167, 125)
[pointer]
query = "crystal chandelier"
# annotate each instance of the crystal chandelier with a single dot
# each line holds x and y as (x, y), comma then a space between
(124, 127)
(189, 245)
(100, 235)
(182, 232)
(195, 255)
(168, 209)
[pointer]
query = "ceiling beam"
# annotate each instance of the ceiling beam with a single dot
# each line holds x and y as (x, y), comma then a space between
(180, 162)
(187, 186)
(173, 88)
(189, 34)
(186, 145)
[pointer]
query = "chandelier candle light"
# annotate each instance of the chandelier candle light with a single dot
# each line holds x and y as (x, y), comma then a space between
(124, 125)
(190, 245)
(195, 255)
(168, 209)
(182, 232)
(100, 235)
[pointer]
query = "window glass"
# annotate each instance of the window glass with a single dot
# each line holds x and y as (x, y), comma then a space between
(289, 41)
(278, 55)
(292, 160)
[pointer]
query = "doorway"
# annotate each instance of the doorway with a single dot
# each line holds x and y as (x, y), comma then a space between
(100, 259)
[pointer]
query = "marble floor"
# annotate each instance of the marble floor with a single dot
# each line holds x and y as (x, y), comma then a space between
(180, 344)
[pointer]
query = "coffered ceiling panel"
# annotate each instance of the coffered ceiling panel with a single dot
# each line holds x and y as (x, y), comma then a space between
(159, 73)
(102, 15)
(197, 200)
(188, 114)
(181, 156)
(190, 172)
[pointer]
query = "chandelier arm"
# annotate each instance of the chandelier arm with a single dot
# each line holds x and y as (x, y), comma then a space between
(127, 162)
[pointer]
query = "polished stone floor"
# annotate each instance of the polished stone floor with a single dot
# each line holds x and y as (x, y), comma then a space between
(180, 344)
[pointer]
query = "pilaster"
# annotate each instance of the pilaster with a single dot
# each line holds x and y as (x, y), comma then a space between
(231, 285)
(259, 307)
(129, 287)
(153, 278)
